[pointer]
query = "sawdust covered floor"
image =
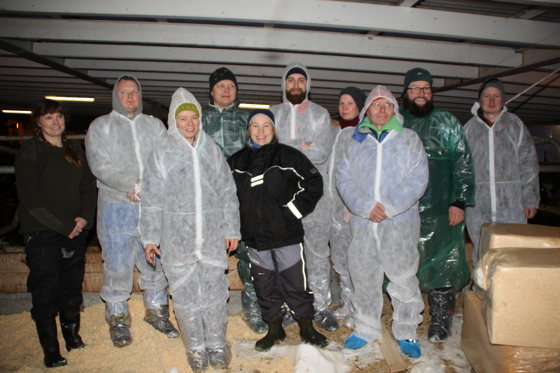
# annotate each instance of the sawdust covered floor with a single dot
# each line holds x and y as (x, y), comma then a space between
(153, 352)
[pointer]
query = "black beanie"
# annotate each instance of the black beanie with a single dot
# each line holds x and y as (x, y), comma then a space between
(357, 94)
(296, 70)
(494, 82)
(256, 112)
(223, 73)
(416, 74)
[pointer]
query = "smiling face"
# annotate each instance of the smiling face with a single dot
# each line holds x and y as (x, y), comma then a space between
(492, 102)
(52, 126)
(380, 112)
(188, 122)
(347, 107)
(261, 130)
(296, 88)
(423, 92)
(224, 93)
(129, 95)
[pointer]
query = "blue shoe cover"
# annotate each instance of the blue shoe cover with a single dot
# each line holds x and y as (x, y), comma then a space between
(354, 342)
(410, 348)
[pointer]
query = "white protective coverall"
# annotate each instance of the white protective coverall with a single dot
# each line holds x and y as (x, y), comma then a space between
(117, 148)
(340, 234)
(393, 173)
(506, 171)
(309, 122)
(189, 208)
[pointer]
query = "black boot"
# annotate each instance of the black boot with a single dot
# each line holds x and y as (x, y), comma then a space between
(70, 325)
(275, 333)
(442, 308)
(310, 335)
(46, 329)
(159, 319)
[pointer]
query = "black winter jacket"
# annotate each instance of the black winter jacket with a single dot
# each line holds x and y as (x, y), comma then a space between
(277, 186)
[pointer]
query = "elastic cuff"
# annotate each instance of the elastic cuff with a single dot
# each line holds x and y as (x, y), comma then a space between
(459, 204)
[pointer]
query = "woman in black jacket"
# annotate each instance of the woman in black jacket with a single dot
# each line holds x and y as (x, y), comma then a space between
(277, 186)
(57, 195)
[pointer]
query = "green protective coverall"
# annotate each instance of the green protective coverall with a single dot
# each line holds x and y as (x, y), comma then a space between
(228, 127)
(443, 261)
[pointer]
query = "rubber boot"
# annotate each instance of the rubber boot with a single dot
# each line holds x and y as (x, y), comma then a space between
(70, 325)
(219, 357)
(326, 320)
(442, 308)
(249, 302)
(159, 319)
(197, 359)
(275, 333)
(46, 329)
(119, 320)
(310, 335)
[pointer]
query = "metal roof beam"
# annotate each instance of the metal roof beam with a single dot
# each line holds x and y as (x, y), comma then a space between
(110, 32)
(232, 56)
(315, 13)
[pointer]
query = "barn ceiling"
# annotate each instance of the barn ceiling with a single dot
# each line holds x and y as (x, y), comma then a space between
(79, 48)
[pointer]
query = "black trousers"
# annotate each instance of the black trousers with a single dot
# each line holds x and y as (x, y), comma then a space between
(56, 272)
(279, 276)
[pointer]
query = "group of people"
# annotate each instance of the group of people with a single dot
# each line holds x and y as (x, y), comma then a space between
(381, 192)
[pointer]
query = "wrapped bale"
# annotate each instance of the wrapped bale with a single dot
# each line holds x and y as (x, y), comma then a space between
(500, 236)
(521, 302)
(486, 357)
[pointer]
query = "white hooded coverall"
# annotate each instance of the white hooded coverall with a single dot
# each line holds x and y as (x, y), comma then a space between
(506, 171)
(117, 148)
(189, 208)
(309, 122)
(393, 173)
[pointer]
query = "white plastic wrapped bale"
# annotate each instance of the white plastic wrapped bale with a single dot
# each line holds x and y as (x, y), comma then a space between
(520, 301)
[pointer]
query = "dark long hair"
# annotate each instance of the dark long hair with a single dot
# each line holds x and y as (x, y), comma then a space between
(45, 107)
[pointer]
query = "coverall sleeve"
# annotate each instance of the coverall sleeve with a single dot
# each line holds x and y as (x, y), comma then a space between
(322, 141)
(88, 191)
(462, 172)
(30, 196)
(230, 202)
(528, 168)
(305, 201)
(357, 201)
(153, 199)
(104, 166)
(409, 191)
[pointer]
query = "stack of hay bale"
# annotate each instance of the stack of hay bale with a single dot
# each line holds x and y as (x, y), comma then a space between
(512, 318)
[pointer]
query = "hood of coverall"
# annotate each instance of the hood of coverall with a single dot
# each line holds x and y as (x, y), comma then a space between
(381, 92)
(284, 76)
(118, 106)
(181, 96)
(476, 106)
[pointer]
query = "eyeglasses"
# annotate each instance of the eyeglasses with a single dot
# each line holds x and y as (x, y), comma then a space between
(379, 105)
(417, 90)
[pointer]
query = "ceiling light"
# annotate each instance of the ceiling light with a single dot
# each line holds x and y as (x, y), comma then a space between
(16, 111)
(82, 99)
(253, 106)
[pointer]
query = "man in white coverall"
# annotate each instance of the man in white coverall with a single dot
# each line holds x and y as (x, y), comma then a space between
(381, 176)
(118, 146)
(306, 126)
(505, 162)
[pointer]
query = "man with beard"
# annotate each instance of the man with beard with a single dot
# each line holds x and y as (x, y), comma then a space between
(306, 126)
(443, 263)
